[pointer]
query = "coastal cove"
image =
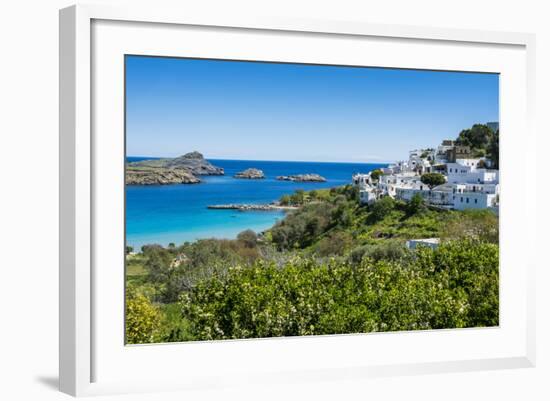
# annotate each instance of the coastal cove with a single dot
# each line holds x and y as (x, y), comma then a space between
(163, 214)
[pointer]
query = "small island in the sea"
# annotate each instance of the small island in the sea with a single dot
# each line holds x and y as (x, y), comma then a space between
(251, 174)
(302, 178)
(179, 170)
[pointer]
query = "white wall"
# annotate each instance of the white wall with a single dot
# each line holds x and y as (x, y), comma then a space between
(473, 200)
(28, 201)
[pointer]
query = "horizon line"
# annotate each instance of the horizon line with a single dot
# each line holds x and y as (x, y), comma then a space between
(271, 160)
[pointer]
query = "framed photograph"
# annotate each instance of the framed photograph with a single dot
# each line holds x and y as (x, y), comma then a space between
(273, 200)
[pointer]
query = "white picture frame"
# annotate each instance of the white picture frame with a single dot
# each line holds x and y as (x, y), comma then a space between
(85, 348)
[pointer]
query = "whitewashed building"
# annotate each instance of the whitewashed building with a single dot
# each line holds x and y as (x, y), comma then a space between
(460, 173)
(442, 151)
(441, 195)
(367, 196)
(368, 191)
(475, 200)
(468, 185)
(388, 184)
(432, 243)
(362, 180)
(471, 162)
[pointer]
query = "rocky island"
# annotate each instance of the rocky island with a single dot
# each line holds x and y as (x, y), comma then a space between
(302, 178)
(251, 174)
(179, 170)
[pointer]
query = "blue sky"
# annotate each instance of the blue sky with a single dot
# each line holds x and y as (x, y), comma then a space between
(270, 111)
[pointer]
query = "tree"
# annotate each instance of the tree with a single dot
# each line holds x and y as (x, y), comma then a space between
(248, 238)
(433, 179)
(416, 204)
(375, 174)
(158, 264)
(477, 137)
(493, 150)
(129, 249)
(285, 200)
(382, 207)
(297, 198)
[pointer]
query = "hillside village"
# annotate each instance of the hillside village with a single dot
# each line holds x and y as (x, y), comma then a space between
(467, 180)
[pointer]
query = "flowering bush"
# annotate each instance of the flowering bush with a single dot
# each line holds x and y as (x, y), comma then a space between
(453, 286)
(142, 318)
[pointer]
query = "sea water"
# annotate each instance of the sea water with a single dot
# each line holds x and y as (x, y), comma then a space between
(163, 214)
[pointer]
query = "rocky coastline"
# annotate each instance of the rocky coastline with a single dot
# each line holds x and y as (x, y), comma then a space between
(179, 170)
(159, 176)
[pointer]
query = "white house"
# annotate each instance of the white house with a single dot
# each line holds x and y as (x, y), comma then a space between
(388, 184)
(442, 150)
(419, 160)
(474, 200)
(367, 188)
(432, 243)
(367, 196)
(362, 180)
(467, 186)
(473, 162)
(441, 195)
(459, 173)
(490, 188)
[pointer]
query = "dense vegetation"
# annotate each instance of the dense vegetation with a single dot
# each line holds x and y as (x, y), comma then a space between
(482, 140)
(330, 266)
(454, 286)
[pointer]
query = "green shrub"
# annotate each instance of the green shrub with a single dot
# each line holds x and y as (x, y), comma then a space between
(381, 208)
(416, 204)
(335, 244)
(375, 174)
(248, 238)
(389, 250)
(453, 286)
(301, 228)
(433, 179)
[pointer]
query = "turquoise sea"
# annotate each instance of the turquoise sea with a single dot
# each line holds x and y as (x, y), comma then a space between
(162, 214)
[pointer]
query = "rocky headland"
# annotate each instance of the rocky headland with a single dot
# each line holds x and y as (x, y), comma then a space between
(251, 174)
(158, 176)
(302, 178)
(179, 170)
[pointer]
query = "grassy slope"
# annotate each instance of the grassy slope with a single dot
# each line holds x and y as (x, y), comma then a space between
(397, 224)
